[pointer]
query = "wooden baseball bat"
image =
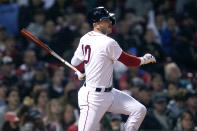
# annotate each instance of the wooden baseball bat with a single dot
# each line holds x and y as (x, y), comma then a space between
(31, 37)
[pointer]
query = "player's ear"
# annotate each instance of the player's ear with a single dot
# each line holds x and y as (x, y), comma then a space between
(95, 24)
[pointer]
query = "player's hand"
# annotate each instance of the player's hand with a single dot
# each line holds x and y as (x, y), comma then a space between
(80, 75)
(147, 58)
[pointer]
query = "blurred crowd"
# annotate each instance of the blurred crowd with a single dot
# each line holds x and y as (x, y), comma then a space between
(39, 93)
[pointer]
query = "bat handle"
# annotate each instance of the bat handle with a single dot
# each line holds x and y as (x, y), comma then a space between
(65, 62)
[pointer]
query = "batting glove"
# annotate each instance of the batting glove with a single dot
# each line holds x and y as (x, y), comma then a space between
(80, 75)
(147, 58)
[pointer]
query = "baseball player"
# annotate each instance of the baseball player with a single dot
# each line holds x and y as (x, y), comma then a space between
(97, 96)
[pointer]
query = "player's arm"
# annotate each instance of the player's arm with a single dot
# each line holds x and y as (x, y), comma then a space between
(77, 63)
(130, 60)
(116, 53)
(78, 58)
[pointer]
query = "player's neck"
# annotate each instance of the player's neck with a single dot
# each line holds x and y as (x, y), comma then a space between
(99, 31)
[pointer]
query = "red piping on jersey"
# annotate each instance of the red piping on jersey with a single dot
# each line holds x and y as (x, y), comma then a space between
(129, 60)
(87, 112)
(93, 34)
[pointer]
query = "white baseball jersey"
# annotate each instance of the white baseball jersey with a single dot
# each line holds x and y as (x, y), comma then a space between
(99, 52)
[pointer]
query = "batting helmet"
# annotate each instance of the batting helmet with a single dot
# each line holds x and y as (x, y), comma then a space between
(100, 14)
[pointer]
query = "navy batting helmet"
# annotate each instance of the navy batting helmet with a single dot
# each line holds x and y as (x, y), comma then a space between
(100, 14)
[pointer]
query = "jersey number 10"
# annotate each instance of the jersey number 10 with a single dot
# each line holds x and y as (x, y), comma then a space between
(86, 52)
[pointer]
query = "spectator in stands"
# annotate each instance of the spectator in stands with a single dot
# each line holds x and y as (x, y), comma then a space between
(70, 30)
(52, 119)
(68, 87)
(130, 30)
(169, 36)
(41, 99)
(26, 70)
(13, 102)
(134, 86)
(141, 6)
(172, 89)
(33, 122)
(123, 35)
(157, 119)
(148, 45)
(185, 44)
(132, 73)
(180, 6)
(58, 8)
(37, 26)
(11, 122)
(157, 83)
(68, 117)
(2, 38)
(73, 100)
(152, 47)
(48, 32)
(165, 7)
(41, 76)
(84, 28)
(145, 94)
(10, 49)
(191, 101)
(156, 22)
(56, 88)
(25, 15)
(3, 92)
(172, 73)
(185, 122)
(22, 113)
(190, 9)
(115, 123)
(177, 105)
(195, 87)
(8, 73)
(48, 36)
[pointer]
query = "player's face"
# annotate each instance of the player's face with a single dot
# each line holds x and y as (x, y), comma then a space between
(104, 26)
(108, 26)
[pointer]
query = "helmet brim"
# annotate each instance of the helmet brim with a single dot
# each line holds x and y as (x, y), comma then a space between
(111, 17)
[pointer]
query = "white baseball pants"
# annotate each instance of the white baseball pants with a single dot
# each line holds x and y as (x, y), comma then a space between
(93, 106)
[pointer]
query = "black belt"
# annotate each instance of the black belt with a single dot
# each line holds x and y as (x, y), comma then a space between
(100, 89)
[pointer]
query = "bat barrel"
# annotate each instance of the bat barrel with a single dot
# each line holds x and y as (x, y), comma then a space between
(28, 35)
(31, 37)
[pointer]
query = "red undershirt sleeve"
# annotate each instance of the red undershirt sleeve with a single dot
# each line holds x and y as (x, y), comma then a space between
(129, 60)
(80, 67)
